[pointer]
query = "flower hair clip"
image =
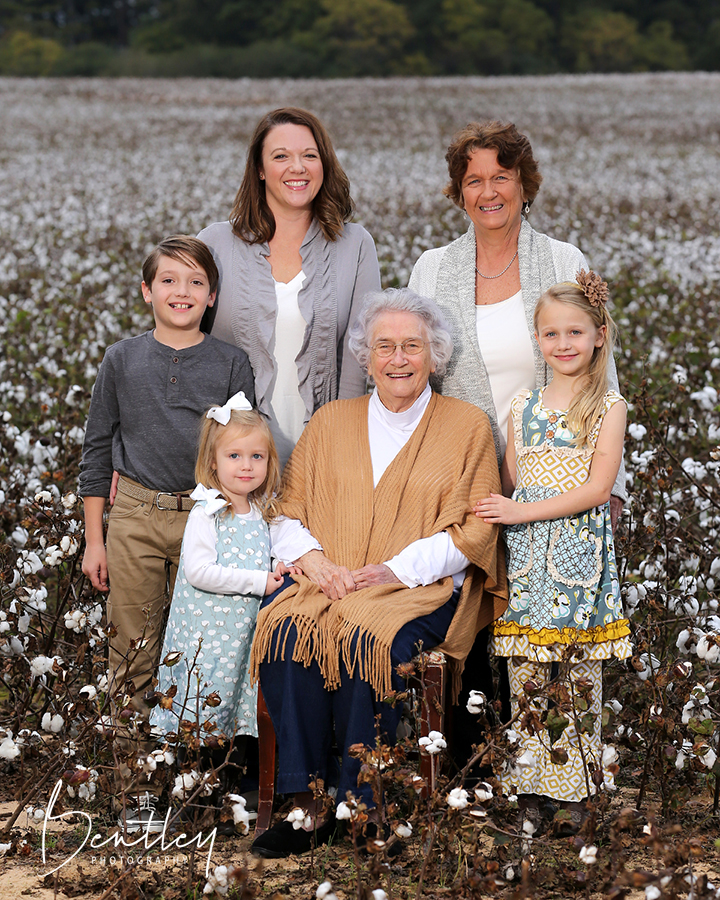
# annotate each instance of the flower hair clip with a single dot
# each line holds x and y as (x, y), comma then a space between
(594, 288)
(222, 414)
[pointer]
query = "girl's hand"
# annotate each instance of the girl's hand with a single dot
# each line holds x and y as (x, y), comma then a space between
(371, 575)
(282, 569)
(499, 510)
(274, 581)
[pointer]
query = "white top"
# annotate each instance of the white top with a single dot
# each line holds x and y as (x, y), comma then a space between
(200, 557)
(421, 562)
(287, 409)
(507, 351)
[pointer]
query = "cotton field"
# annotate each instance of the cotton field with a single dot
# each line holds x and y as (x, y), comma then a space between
(94, 172)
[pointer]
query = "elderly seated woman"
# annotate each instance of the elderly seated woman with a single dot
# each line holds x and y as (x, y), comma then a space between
(388, 553)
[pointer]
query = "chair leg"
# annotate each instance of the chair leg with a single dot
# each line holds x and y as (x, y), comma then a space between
(266, 752)
(433, 715)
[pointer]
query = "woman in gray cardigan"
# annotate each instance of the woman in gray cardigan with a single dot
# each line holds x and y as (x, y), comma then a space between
(487, 283)
(292, 272)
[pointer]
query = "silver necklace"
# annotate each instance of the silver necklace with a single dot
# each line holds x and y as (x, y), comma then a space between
(489, 277)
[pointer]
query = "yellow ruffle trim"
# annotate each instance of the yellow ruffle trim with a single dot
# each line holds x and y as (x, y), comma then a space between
(600, 634)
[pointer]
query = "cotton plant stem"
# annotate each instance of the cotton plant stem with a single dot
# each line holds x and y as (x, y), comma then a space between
(37, 786)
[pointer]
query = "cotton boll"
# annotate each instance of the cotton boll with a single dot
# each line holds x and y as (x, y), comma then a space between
(52, 723)
(708, 648)
(458, 798)
(476, 702)
(588, 855)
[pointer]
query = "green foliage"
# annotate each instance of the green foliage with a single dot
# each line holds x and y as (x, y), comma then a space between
(306, 38)
(353, 38)
(24, 54)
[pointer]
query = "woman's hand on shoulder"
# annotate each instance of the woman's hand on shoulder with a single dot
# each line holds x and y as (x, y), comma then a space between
(499, 510)
(370, 576)
(333, 580)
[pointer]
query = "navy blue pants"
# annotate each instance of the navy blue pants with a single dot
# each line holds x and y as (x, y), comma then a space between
(305, 714)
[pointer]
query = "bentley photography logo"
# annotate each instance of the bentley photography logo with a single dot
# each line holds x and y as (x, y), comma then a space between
(147, 850)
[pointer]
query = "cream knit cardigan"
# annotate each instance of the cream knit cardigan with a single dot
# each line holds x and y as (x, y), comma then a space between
(448, 463)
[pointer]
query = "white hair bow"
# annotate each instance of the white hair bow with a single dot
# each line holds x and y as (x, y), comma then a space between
(211, 497)
(221, 414)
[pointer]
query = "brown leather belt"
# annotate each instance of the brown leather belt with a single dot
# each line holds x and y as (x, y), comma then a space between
(180, 502)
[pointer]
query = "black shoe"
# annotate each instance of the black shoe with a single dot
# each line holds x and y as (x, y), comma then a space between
(283, 840)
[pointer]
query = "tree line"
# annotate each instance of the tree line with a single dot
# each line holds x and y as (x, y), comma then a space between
(349, 38)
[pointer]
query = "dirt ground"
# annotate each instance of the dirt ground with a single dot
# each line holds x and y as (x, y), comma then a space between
(162, 872)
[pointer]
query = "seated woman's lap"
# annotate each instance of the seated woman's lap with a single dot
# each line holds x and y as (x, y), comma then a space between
(305, 713)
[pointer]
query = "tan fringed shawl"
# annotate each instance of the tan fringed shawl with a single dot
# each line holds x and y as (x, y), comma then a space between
(430, 486)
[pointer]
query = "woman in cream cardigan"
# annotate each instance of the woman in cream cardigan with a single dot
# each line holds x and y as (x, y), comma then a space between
(487, 283)
(292, 272)
(378, 521)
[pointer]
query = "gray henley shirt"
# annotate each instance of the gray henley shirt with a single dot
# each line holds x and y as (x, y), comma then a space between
(146, 410)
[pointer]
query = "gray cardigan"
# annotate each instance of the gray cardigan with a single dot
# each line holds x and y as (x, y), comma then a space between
(337, 276)
(447, 275)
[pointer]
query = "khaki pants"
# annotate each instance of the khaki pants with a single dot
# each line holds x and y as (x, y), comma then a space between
(143, 551)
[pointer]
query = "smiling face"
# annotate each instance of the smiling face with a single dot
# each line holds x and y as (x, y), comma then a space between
(492, 196)
(179, 295)
(568, 338)
(291, 168)
(399, 378)
(241, 463)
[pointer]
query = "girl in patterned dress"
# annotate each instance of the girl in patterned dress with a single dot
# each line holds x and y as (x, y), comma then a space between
(224, 572)
(565, 444)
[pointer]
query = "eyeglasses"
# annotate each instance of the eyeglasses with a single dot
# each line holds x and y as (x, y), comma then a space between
(411, 347)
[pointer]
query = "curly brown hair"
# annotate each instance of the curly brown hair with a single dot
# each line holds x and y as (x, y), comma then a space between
(513, 152)
(251, 218)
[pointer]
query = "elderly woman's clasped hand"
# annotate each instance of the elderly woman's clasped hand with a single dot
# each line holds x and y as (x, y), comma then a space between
(338, 581)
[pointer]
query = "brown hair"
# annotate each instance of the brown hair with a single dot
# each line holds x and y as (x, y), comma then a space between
(251, 218)
(588, 405)
(184, 249)
(513, 152)
(266, 497)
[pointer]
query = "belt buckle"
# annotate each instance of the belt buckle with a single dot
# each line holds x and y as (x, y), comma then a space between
(165, 494)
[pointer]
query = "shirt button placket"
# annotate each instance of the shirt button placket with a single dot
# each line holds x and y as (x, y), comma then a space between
(174, 377)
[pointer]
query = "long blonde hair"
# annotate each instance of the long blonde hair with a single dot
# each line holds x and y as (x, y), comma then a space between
(266, 498)
(587, 405)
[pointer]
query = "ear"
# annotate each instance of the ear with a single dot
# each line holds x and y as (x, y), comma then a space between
(146, 292)
(600, 336)
(211, 298)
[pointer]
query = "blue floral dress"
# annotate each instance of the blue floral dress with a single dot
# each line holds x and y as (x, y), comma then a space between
(562, 572)
(216, 631)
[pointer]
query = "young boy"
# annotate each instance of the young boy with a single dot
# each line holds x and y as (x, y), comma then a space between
(150, 393)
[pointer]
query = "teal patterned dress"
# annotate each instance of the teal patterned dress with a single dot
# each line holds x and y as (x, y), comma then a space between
(562, 572)
(216, 630)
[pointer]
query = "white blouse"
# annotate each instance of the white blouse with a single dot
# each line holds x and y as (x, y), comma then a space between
(421, 562)
(507, 351)
(287, 410)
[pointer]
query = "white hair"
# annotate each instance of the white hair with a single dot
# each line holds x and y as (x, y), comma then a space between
(401, 300)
